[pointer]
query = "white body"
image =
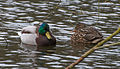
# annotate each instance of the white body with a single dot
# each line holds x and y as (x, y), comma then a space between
(29, 38)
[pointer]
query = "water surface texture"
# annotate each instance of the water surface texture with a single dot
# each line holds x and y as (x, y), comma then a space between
(62, 16)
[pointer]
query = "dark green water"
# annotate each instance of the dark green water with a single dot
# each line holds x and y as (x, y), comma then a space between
(62, 17)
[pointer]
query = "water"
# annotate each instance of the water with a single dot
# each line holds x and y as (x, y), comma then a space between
(62, 17)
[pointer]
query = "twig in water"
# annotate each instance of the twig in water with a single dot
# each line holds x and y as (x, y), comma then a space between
(108, 45)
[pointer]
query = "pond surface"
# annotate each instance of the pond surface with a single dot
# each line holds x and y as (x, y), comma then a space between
(62, 16)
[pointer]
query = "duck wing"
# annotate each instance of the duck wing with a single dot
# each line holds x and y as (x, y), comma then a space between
(93, 34)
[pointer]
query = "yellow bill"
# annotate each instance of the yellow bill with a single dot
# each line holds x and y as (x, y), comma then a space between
(48, 35)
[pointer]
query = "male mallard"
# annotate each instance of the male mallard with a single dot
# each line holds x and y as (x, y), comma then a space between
(37, 35)
(86, 34)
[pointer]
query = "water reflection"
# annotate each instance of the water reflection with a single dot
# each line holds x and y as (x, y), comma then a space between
(37, 48)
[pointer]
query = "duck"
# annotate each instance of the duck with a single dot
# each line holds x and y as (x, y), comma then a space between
(37, 35)
(86, 34)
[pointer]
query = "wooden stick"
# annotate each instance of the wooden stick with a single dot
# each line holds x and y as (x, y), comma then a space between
(92, 49)
(108, 45)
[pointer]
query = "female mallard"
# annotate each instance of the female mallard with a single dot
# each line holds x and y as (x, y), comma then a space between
(37, 35)
(86, 34)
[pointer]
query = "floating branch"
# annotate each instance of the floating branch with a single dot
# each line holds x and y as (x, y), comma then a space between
(108, 45)
(93, 49)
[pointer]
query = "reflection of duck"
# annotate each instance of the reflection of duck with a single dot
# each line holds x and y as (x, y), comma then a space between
(37, 35)
(30, 48)
(86, 34)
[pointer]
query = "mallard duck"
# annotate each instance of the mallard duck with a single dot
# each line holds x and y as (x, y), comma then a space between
(86, 34)
(37, 35)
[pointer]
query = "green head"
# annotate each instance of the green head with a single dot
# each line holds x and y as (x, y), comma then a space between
(44, 30)
(44, 27)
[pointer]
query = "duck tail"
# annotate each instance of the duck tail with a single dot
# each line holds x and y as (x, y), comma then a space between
(19, 33)
(96, 40)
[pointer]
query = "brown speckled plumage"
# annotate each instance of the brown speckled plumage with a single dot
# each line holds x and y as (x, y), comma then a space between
(86, 34)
